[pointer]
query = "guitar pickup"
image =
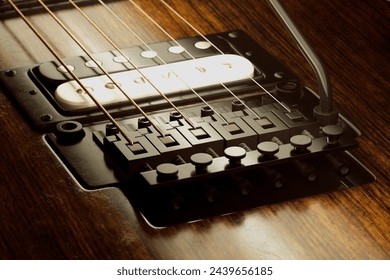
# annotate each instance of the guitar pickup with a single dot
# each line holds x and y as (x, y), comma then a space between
(150, 81)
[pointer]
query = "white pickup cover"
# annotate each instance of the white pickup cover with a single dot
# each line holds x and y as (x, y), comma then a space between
(170, 78)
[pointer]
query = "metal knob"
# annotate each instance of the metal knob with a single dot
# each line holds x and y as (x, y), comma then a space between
(167, 171)
(333, 133)
(268, 149)
(201, 161)
(235, 155)
(300, 142)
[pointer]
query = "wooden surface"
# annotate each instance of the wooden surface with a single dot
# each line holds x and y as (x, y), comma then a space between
(44, 214)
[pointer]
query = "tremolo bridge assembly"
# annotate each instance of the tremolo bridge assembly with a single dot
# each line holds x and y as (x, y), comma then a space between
(247, 132)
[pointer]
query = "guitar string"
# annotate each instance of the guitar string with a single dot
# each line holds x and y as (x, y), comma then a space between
(207, 40)
(99, 66)
(69, 71)
(192, 57)
(162, 60)
(128, 60)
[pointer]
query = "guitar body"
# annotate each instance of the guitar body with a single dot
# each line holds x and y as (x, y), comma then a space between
(46, 214)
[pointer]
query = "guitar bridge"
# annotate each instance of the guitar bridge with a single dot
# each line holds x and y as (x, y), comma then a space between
(260, 145)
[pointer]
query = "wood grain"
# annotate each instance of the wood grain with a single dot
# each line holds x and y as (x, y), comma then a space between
(45, 214)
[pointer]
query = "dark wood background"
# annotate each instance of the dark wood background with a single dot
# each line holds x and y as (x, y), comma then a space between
(44, 214)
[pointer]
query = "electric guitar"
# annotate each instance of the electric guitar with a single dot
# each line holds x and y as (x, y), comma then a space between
(180, 129)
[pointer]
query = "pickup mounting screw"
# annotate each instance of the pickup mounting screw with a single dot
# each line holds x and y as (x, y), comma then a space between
(10, 73)
(46, 117)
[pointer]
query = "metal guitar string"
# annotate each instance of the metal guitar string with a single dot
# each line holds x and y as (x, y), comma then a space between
(192, 57)
(220, 51)
(62, 62)
(128, 60)
(158, 56)
(99, 66)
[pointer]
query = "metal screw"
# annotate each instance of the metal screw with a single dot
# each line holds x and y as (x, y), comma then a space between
(10, 73)
(279, 75)
(46, 117)
(234, 34)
